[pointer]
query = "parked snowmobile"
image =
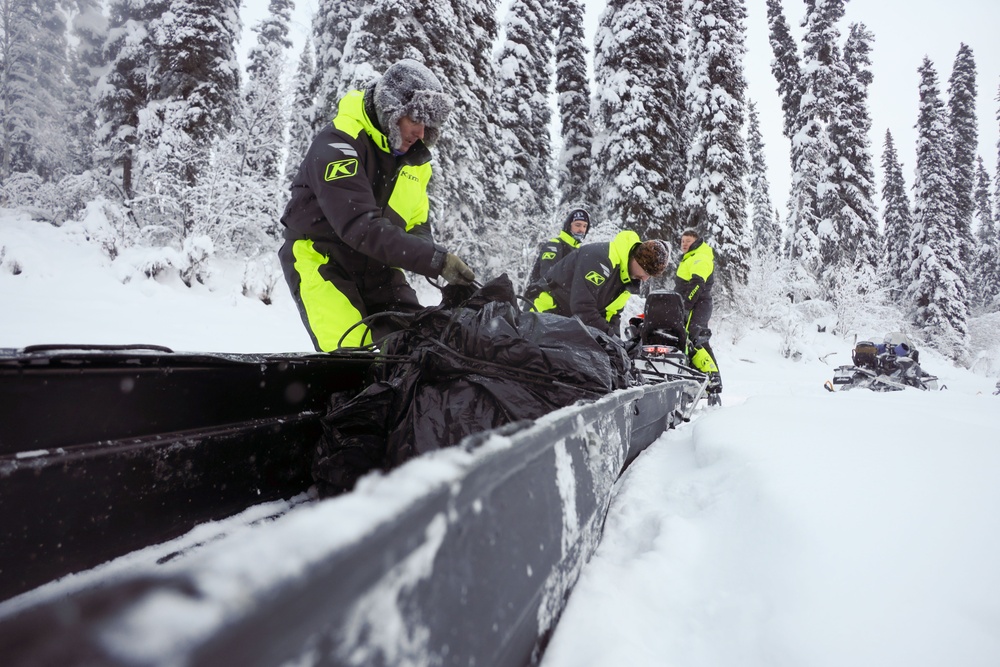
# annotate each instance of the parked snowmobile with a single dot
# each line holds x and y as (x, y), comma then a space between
(891, 365)
(659, 343)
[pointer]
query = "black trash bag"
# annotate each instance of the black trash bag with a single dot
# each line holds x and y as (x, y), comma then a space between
(471, 364)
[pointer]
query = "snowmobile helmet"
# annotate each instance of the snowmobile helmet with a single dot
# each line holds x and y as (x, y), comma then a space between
(651, 256)
(408, 88)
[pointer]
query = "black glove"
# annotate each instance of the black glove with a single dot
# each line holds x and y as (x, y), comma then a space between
(455, 271)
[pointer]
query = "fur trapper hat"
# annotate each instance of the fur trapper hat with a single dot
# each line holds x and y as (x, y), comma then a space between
(408, 88)
(651, 256)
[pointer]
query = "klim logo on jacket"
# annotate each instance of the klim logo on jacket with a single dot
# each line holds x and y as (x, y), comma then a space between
(341, 169)
(595, 278)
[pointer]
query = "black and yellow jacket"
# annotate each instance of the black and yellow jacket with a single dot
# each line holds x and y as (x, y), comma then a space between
(550, 253)
(696, 274)
(592, 283)
(358, 201)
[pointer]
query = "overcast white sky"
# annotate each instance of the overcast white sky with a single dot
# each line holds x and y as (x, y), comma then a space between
(905, 31)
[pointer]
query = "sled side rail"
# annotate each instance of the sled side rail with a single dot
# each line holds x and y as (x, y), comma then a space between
(465, 555)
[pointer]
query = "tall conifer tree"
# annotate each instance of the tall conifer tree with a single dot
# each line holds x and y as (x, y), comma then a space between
(715, 195)
(265, 72)
(898, 220)
(300, 127)
(330, 28)
(854, 213)
(766, 232)
(573, 91)
(638, 110)
(986, 254)
(815, 179)
(34, 93)
(90, 28)
(962, 92)
(785, 67)
(524, 75)
(936, 286)
(124, 89)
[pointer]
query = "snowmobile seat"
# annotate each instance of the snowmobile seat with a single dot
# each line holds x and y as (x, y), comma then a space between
(663, 320)
(865, 355)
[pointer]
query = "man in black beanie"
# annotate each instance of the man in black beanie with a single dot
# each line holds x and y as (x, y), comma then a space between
(359, 210)
(574, 231)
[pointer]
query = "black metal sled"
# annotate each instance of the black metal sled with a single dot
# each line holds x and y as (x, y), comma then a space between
(106, 449)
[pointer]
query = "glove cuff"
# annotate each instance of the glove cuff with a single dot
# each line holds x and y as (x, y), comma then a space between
(437, 261)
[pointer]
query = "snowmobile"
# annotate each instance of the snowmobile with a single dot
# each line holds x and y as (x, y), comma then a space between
(891, 365)
(120, 451)
(659, 341)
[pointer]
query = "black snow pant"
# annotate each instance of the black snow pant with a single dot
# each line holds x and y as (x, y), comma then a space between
(699, 348)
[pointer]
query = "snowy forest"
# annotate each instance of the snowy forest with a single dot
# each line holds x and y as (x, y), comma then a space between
(140, 108)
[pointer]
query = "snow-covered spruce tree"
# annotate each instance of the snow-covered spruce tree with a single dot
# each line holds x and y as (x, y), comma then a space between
(573, 96)
(824, 70)
(259, 125)
(194, 98)
(523, 115)
(384, 32)
(330, 27)
(855, 213)
(996, 174)
(90, 27)
(300, 124)
(124, 89)
(640, 143)
(766, 231)
(986, 254)
(715, 196)
(33, 88)
(454, 39)
(807, 145)
(962, 92)
(936, 286)
(265, 73)
(195, 74)
(898, 220)
(467, 192)
(785, 66)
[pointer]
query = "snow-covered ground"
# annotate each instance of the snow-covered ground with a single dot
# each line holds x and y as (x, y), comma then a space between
(790, 527)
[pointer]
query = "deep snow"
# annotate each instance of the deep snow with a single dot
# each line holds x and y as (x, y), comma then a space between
(790, 527)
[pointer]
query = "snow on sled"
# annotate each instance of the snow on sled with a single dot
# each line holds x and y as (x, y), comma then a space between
(891, 365)
(462, 554)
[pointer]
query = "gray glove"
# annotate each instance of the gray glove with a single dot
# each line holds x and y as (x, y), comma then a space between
(455, 271)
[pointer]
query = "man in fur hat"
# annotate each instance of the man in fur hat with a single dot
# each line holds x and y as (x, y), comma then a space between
(595, 282)
(574, 230)
(359, 210)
